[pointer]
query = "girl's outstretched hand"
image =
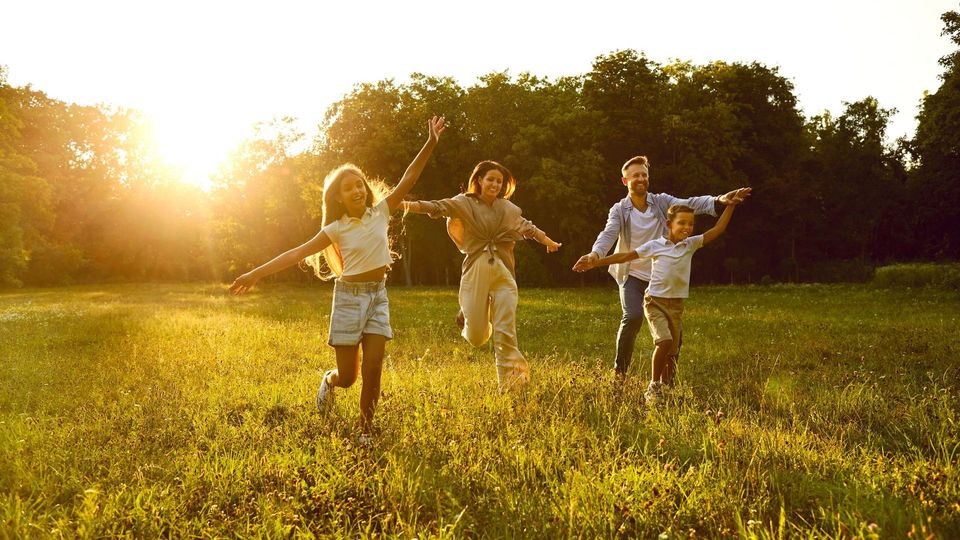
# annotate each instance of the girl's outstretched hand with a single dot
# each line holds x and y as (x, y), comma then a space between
(243, 283)
(435, 126)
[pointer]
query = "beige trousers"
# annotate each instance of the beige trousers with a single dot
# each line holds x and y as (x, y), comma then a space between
(488, 299)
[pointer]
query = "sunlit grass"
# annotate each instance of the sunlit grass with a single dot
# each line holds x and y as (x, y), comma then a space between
(180, 411)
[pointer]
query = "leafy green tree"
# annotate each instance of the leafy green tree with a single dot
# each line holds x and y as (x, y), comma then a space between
(731, 125)
(859, 178)
(631, 93)
(934, 185)
(24, 197)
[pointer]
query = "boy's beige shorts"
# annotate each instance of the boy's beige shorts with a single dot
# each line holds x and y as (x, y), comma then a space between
(665, 317)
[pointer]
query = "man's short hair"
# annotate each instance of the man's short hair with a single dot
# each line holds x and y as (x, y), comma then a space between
(636, 160)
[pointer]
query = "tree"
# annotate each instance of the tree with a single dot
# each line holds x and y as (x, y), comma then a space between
(259, 207)
(631, 92)
(935, 183)
(25, 211)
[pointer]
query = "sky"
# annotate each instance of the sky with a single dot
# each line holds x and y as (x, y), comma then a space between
(204, 72)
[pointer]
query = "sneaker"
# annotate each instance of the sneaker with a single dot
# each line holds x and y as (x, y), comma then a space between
(654, 393)
(365, 440)
(460, 320)
(325, 394)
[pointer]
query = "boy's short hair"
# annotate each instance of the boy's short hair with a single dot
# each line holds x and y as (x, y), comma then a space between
(679, 209)
(635, 160)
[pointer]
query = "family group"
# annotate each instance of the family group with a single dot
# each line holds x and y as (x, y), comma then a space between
(653, 233)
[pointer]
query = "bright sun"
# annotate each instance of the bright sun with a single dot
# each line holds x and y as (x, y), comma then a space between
(194, 145)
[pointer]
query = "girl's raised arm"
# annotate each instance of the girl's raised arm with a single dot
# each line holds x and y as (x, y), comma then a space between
(435, 127)
(288, 258)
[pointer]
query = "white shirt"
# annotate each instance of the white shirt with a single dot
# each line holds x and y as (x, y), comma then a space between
(362, 241)
(644, 226)
(670, 273)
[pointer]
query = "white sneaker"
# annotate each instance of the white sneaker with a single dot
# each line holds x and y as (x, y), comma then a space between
(654, 393)
(325, 394)
(365, 440)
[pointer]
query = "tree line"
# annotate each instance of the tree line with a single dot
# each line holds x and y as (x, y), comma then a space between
(85, 197)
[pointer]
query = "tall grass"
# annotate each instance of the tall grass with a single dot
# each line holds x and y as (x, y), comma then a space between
(178, 411)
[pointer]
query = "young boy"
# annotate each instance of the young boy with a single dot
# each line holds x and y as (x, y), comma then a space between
(669, 285)
(636, 219)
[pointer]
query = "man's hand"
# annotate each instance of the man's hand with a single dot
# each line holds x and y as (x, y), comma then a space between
(735, 197)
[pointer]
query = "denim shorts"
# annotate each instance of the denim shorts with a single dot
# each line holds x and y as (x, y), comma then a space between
(359, 308)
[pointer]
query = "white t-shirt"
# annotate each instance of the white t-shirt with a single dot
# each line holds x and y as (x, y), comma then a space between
(644, 227)
(670, 274)
(362, 241)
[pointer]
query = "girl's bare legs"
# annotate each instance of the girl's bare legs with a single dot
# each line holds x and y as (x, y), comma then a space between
(372, 367)
(348, 366)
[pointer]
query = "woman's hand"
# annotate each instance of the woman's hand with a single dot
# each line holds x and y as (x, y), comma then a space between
(552, 246)
(243, 283)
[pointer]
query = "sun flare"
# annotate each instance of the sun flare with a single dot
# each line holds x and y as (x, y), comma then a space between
(194, 145)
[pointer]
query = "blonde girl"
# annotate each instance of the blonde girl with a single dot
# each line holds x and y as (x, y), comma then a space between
(355, 248)
(485, 225)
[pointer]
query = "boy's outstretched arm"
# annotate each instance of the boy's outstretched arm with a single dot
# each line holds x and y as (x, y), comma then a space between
(435, 128)
(721, 224)
(585, 264)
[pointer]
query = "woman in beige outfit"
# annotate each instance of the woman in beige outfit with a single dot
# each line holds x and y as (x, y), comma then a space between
(485, 226)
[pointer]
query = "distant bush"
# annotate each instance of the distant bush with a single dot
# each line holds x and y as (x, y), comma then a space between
(936, 275)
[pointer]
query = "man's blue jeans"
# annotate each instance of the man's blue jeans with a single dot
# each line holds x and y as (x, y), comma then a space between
(631, 300)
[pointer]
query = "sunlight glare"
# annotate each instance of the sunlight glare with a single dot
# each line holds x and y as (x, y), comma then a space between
(195, 144)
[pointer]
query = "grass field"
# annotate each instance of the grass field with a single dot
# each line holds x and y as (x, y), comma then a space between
(175, 410)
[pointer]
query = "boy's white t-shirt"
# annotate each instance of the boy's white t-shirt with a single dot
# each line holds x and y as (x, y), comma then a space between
(644, 226)
(670, 268)
(362, 241)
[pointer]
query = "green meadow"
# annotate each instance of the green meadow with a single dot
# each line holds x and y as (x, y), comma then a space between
(178, 411)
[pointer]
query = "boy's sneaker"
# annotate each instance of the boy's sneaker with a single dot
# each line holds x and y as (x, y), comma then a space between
(365, 440)
(460, 320)
(654, 393)
(325, 394)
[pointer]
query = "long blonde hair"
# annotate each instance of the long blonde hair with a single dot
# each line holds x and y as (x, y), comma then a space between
(328, 263)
